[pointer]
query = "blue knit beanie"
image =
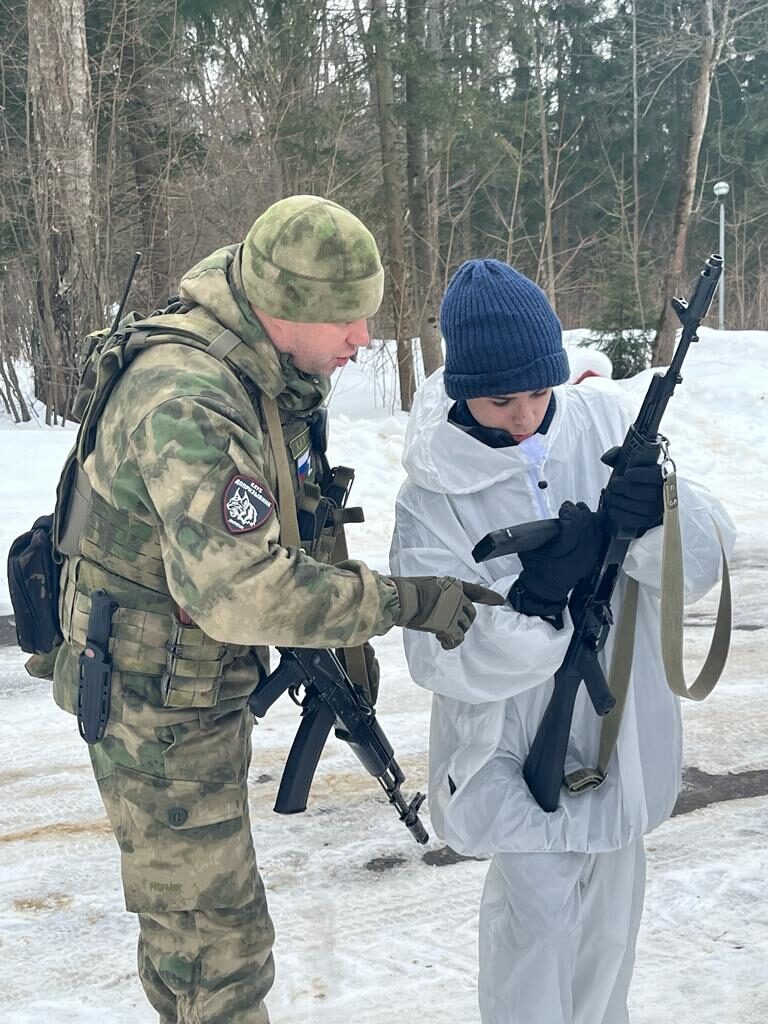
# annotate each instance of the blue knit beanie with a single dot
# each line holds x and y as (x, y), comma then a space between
(501, 334)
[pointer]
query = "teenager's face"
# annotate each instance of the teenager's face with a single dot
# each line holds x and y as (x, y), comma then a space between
(519, 414)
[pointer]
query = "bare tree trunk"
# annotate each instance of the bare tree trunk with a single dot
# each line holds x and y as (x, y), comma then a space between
(420, 194)
(636, 173)
(664, 342)
(11, 395)
(547, 242)
(466, 192)
(391, 173)
(62, 172)
(10, 391)
(150, 165)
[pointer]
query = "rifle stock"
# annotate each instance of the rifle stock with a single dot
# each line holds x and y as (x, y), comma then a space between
(513, 539)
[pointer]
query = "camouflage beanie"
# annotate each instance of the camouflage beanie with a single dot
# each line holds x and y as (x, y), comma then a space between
(309, 260)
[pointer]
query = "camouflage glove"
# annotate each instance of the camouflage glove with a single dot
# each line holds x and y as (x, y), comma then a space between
(371, 692)
(441, 605)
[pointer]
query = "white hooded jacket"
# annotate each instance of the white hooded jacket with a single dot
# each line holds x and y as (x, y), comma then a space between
(490, 693)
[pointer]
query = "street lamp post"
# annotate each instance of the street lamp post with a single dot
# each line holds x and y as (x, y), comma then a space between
(721, 190)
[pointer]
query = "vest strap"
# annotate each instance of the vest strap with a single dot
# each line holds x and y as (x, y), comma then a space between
(73, 502)
(223, 344)
(190, 664)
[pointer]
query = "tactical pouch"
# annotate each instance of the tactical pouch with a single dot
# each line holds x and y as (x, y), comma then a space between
(192, 676)
(33, 583)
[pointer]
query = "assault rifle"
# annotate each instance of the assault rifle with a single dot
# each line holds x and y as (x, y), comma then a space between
(590, 602)
(331, 700)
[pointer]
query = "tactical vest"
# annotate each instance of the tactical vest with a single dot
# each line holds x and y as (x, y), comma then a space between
(105, 547)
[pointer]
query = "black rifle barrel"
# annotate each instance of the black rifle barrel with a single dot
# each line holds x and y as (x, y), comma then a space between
(590, 602)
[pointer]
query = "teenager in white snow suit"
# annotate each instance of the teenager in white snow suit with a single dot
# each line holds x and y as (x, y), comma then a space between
(496, 439)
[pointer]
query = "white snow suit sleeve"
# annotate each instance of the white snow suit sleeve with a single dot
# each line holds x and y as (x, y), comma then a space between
(704, 524)
(481, 668)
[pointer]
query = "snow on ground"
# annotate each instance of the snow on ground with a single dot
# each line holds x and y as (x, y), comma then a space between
(398, 943)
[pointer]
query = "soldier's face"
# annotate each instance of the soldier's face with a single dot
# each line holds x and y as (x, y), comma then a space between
(519, 414)
(320, 348)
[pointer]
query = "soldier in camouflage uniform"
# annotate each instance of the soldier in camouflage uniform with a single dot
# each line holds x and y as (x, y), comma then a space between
(182, 529)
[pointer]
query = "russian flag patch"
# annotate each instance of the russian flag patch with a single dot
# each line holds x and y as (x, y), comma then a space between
(303, 464)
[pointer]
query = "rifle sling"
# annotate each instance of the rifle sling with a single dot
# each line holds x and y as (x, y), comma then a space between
(672, 609)
(289, 527)
(583, 779)
(289, 523)
(671, 614)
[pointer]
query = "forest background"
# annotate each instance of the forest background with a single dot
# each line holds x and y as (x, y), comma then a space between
(578, 141)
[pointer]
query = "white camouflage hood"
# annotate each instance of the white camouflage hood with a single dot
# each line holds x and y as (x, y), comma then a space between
(441, 457)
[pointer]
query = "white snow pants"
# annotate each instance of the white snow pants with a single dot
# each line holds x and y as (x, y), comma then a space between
(557, 936)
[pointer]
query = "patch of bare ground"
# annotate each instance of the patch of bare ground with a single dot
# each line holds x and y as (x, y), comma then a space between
(58, 830)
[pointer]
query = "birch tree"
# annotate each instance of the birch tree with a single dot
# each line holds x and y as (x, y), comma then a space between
(710, 47)
(421, 52)
(62, 187)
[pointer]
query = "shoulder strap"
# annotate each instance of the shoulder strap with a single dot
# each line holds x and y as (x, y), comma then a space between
(123, 348)
(74, 490)
(289, 523)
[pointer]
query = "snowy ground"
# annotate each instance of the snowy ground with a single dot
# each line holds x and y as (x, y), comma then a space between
(366, 929)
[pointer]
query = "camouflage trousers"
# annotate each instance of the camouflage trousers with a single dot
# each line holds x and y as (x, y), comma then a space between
(173, 782)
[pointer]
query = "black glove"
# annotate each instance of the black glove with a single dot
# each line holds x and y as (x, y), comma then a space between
(370, 693)
(441, 605)
(551, 571)
(636, 500)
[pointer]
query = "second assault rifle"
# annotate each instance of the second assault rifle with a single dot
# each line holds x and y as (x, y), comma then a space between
(590, 602)
(331, 701)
